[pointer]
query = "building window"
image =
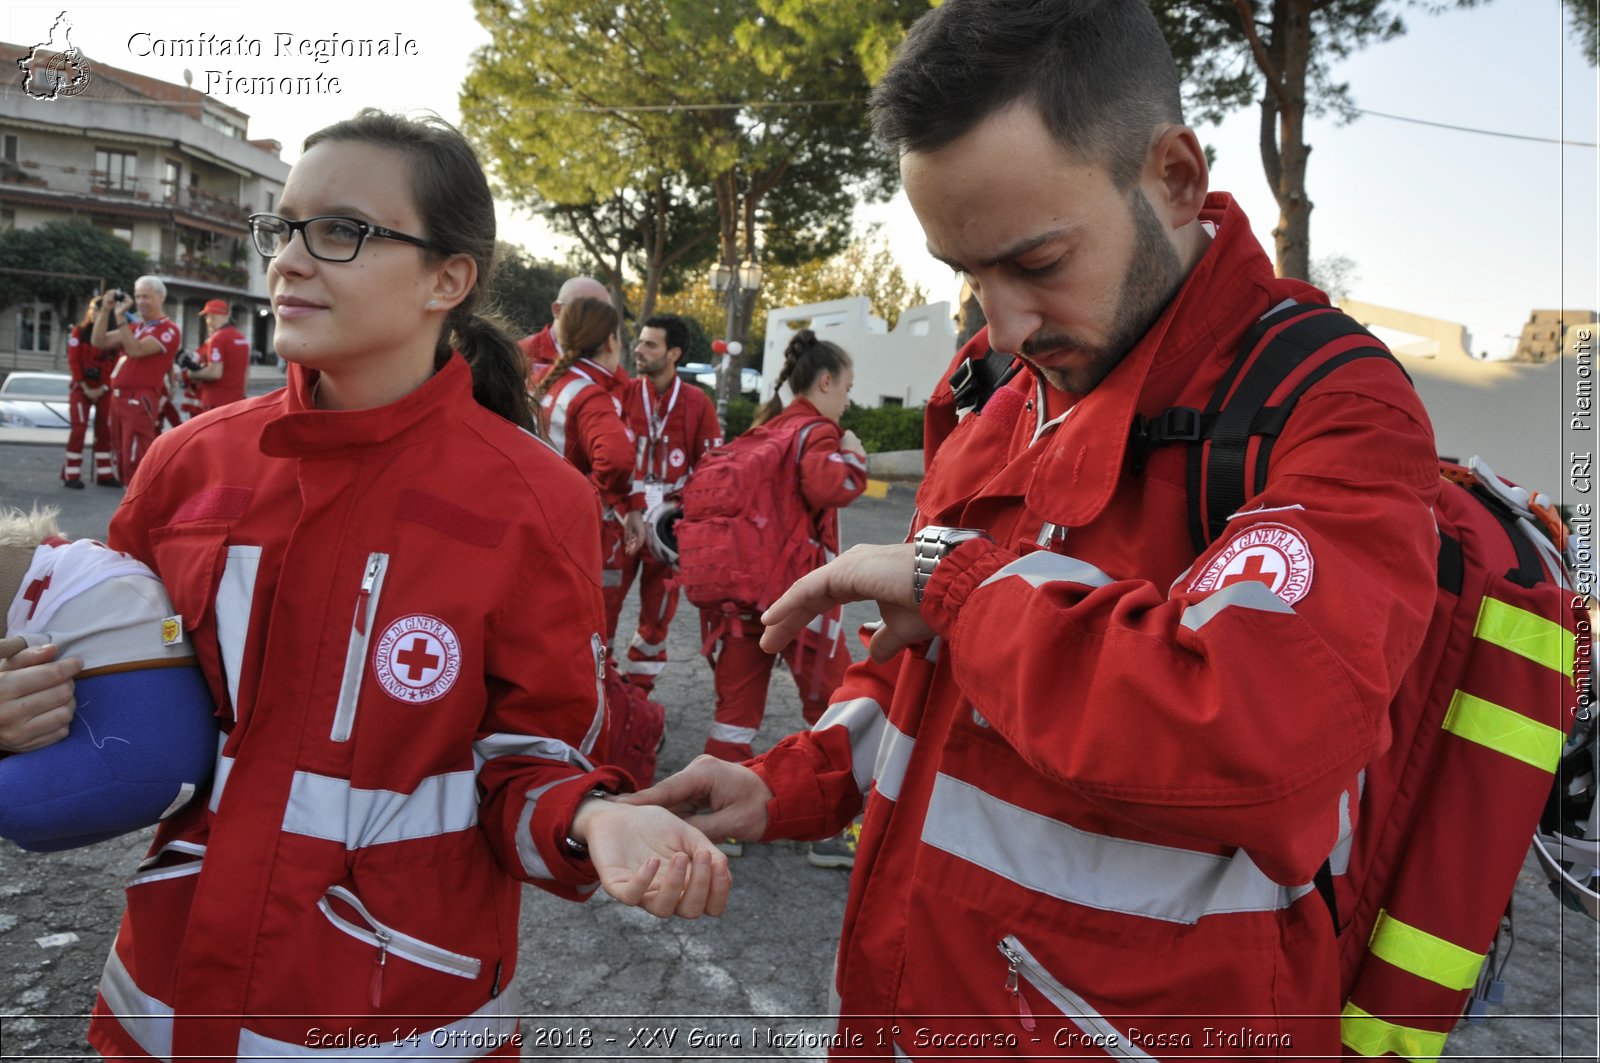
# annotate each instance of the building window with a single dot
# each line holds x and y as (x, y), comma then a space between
(121, 230)
(892, 400)
(8, 219)
(119, 170)
(36, 329)
(173, 180)
(8, 148)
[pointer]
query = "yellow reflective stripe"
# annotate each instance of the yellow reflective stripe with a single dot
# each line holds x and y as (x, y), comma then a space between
(1526, 634)
(1423, 954)
(1504, 731)
(1368, 1035)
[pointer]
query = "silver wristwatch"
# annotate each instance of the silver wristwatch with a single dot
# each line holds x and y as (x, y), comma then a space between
(932, 544)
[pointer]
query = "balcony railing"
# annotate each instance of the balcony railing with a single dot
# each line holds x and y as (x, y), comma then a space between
(200, 269)
(139, 191)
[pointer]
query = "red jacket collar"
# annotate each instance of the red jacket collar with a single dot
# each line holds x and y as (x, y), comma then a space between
(301, 430)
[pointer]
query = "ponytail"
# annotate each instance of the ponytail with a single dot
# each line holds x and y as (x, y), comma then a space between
(551, 375)
(499, 371)
(583, 328)
(804, 360)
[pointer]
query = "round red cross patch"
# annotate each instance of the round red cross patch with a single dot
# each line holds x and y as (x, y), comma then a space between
(1271, 554)
(675, 457)
(417, 658)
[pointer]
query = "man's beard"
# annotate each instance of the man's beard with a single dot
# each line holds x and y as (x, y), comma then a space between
(1152, 279)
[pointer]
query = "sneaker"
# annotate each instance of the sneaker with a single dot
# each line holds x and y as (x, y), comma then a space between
(76, 485)
(731, 846)
(837, 851)
(108, 481)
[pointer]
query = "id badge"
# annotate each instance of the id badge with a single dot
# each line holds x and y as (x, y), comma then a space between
(655, 493)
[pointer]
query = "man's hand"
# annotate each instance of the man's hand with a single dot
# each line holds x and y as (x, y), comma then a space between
(36, 705)
(648, 858)
(632, 531)
(720, 798)
(884, 574)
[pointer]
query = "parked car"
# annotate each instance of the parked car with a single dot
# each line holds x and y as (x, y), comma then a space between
(704, 373)
(31, 401)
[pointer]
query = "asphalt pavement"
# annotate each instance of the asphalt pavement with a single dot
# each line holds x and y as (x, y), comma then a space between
(602, 981)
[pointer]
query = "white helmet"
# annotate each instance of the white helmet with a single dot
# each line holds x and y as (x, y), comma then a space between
(1567, 843)
(661, 532)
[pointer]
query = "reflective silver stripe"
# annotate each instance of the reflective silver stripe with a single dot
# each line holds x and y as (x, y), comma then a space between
(1097, 871)
(184, 796)
(144, 878)
(174, 846)
(1115, 1042)
(527, 851)
(332, 809)
(1246, 594)
(142, 1017)
(1041, 567)
(381, 935)
(642, 646)
(723, 732)
(646, 667)
(234, 594)
(355, 653)
(831, 633)
(597, 650)
(219, 776)
(1339, 859)
(558, 412)
(865, 720)
(491, 746)
(893, 756)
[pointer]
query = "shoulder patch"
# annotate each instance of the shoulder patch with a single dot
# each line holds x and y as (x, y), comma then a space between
(1273, 554)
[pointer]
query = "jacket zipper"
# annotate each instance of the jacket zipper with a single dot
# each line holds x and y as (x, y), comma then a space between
(391, 942)
(1021, 965)
(355, 657)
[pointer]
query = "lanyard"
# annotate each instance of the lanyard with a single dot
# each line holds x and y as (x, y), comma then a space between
(655, 425)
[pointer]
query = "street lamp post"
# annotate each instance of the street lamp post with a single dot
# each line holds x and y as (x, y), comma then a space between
(739, 283)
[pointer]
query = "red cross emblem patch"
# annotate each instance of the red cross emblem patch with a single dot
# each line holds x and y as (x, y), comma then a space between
(417, 659)
(1274, 555)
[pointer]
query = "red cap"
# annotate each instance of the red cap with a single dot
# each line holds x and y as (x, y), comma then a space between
(217, 306)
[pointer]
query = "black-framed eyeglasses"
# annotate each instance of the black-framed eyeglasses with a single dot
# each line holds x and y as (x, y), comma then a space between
(328, 237)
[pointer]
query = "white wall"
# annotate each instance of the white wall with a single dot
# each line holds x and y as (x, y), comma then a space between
(904, 364)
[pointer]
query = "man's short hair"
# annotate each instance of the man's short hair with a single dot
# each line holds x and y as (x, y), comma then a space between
(675, 328)
(155, 284)
(1098, 71)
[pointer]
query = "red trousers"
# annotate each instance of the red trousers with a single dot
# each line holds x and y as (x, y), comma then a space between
(742, 670)
(81, 408)
(134, 417)
(658, 604)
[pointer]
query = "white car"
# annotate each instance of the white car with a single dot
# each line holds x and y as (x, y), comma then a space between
(34, 408)
(704, 373)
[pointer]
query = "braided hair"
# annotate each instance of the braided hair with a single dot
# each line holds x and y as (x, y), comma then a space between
(453, 199)
(804, 361)
(582, 328)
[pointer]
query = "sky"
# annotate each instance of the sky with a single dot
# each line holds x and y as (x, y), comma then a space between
(1469, 227)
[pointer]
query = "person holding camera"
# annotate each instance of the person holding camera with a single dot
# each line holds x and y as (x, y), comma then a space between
(146, 346)
(88, 396)
(220, 366)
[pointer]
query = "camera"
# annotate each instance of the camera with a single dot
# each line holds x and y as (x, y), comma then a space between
(188, 361)
(91, 375)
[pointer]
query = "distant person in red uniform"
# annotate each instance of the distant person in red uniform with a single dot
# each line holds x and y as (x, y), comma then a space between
(224, 359)
(673, 424)
(542, 349)
(147, 346)
(90, 397)
(580, 408)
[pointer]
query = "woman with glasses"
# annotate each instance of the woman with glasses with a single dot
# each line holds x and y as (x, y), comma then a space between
(393, 590)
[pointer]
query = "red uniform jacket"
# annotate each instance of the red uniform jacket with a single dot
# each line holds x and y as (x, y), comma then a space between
(81, 355)
(540, 351)
(670, 432)
(830, 478)
(228, 346)
(583, 414)
(406, 740)
(150, 372)
(1103, 790)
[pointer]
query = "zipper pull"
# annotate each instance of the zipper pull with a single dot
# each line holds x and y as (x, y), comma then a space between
(367, 583)
(375, 986)
(1014, 987)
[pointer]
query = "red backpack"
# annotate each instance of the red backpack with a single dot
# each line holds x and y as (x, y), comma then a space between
(746, 532)
(1445, 816)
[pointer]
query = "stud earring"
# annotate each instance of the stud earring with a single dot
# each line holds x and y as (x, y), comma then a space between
(433, 304)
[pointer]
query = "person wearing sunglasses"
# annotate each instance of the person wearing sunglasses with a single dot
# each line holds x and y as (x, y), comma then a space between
(393, 590)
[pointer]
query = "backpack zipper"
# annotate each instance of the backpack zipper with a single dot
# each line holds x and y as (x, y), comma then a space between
(1021, 965)
(355, 657)
(391, 942)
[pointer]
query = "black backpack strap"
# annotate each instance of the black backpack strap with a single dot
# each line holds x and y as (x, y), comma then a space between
(975, 379)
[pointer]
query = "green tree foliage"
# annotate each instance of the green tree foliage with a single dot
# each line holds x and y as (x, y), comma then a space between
(523, 288)
(1279, 55)
(27, 256)
(1586, 28)
(665, 134)
(885, 427)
